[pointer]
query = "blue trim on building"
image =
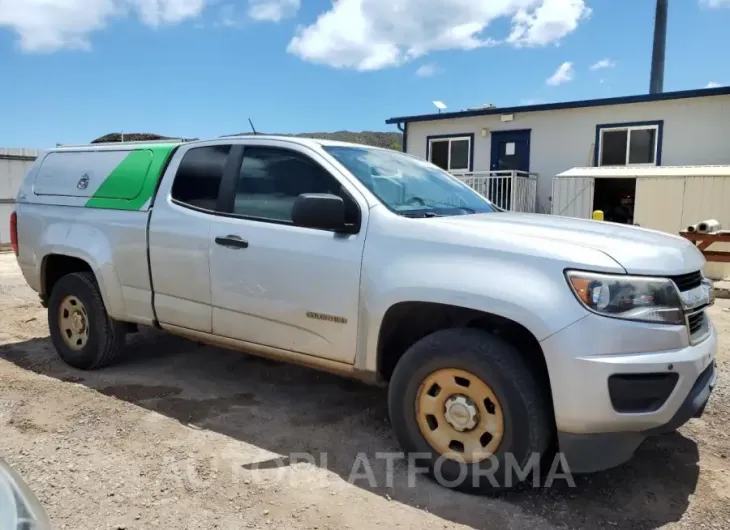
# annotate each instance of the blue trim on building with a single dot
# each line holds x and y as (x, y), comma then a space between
(457, 135)
(660, 136)
(624, 100)
(405, 137)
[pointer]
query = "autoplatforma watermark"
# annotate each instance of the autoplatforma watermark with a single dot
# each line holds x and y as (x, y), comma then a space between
(491, 472)
(383, 469)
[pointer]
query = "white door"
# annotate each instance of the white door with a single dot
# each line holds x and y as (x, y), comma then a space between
(659, 203)
(179, 237)
(276, 284)
(573, 197)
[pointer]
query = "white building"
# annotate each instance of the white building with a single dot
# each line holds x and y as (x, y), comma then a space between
(671, 128)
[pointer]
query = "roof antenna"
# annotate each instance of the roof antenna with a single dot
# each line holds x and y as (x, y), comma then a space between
(252, 127)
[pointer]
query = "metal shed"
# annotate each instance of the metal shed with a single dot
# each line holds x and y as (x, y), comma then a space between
(668, 198)
(14, 164)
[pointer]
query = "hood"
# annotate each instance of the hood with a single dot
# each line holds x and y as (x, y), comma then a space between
(638, 250)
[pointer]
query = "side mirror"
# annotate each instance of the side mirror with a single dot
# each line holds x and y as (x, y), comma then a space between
(19, 507)
(319, 210)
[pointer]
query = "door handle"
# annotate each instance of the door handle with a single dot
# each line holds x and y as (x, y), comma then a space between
(231, 241)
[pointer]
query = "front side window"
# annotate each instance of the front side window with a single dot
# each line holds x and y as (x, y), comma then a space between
(623, 146)
(271, 179)
(407, 185)
(199, 176)
(450, 154)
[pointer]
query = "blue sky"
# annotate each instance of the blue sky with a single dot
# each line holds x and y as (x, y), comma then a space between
(73, 70)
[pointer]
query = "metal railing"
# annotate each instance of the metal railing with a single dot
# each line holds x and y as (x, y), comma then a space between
(514, 191)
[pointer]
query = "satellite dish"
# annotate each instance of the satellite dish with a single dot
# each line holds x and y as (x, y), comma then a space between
(439, 105)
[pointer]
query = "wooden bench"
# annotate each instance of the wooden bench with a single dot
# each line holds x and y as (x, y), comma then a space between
(703, 241)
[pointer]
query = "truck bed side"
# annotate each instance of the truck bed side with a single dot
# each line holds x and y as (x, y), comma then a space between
(63, 228)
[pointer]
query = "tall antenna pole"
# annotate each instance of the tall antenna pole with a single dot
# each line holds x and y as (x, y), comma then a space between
(656, 84)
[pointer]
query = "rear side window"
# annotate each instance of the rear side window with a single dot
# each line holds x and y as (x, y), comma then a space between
(102, 174)
(199, 176)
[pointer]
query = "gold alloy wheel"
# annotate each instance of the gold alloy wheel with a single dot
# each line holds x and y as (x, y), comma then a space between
(73, 321)
(459, 415)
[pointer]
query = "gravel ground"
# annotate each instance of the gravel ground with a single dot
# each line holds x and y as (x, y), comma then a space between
(183, 436)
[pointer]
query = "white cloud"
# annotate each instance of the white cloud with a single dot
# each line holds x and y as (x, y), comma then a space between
(541, 23)
(715, 3)
(603, 63)
(272, 10)
(158, 12)
(228, 17)
(563, 74)
(48, 25)
(376, 34)
(713, 84)
(427, 70)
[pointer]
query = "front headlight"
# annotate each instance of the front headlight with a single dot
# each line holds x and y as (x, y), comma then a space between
(639, 298)
(19, 508)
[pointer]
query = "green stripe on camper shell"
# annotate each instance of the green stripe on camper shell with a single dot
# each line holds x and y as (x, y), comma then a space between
(127, 175)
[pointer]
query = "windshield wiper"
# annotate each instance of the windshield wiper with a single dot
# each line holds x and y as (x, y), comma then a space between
(420, 214)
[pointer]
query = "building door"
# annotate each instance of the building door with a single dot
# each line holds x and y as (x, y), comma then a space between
(510, 152)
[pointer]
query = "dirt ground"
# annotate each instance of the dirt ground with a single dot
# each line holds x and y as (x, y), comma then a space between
(182, 436)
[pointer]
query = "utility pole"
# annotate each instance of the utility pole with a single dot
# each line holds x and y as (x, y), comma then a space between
(656, 83)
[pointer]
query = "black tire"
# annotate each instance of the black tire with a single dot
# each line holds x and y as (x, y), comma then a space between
(528, 423)
(106, 337)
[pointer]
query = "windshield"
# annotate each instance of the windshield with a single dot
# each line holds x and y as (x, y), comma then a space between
(407, 185)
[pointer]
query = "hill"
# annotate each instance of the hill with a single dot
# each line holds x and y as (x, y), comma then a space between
(134, 137)
(392, 140)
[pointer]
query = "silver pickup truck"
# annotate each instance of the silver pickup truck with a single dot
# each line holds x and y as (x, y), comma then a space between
(497, 334)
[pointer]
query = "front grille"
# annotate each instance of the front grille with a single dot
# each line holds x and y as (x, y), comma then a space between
(685, 282)
(695, 321)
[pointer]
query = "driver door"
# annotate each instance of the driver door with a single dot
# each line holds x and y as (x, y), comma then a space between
(280, 285)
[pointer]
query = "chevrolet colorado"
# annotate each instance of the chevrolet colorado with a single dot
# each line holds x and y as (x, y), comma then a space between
(496, 333)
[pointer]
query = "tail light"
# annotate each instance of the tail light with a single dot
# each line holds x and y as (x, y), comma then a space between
(14, 232)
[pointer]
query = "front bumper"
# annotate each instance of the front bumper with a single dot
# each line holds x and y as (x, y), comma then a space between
(592, 434)
(587, 453)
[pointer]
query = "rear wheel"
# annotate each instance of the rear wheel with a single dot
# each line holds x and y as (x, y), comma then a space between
(82, 332)
(465, 404)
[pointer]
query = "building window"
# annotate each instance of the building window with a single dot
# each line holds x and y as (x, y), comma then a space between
(629, 144)
(451, 153)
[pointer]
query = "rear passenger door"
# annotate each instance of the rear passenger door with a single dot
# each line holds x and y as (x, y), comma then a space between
(179, 235)
(280, 285)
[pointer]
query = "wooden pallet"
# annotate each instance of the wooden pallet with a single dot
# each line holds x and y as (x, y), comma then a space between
(703, 241)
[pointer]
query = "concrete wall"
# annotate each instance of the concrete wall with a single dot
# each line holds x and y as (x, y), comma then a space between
(696, 131)
(14, 164)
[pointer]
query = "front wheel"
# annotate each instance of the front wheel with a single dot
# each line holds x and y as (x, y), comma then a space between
(82, 332)
(465, 403)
